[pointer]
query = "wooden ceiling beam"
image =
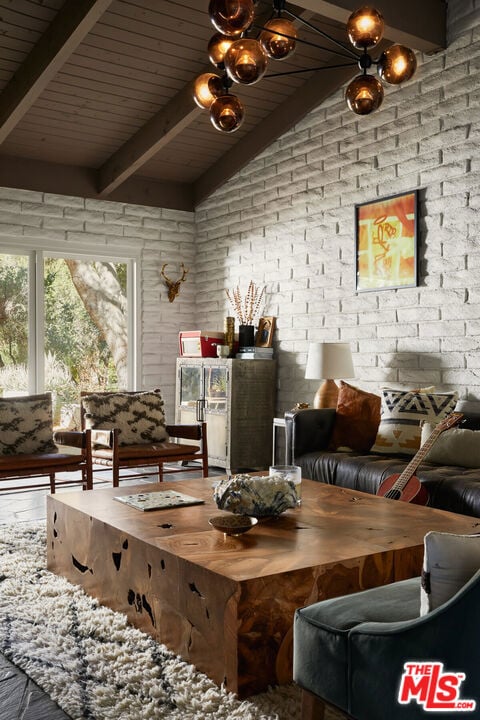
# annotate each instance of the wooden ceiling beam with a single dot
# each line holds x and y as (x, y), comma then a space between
(419, 24)
(148, 141)
(71, 24)
(42, 176)
(154, 135)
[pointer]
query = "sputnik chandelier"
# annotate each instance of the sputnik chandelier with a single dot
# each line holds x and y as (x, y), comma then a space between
(243, 58)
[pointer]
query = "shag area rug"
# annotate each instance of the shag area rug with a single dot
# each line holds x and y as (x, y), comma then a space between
(93, 663)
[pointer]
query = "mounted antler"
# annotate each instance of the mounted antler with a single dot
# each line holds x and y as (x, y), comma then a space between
(174, 285)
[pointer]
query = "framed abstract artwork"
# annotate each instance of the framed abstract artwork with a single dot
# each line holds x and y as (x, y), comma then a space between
(386, 235)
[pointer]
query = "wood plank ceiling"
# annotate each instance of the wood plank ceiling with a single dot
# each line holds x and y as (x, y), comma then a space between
(95, 95)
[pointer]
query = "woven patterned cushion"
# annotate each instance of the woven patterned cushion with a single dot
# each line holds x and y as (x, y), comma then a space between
(449, 561)
(356, 419)
(138, 416)
(402, 412)
(26, 425)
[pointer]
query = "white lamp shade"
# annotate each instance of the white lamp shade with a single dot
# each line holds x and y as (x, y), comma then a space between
(329, 361)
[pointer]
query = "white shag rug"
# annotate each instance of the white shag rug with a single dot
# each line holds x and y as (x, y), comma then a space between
(92, 662)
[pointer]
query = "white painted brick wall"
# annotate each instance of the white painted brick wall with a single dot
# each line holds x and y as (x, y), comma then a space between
(63, 224)
(295, 232)
(286, 220)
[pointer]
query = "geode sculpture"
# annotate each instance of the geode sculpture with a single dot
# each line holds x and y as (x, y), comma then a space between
(255, 496)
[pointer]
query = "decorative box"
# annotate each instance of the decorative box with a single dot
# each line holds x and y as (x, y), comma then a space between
(199, 343)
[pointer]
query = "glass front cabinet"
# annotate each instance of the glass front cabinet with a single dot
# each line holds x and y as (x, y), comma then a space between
(236, 398)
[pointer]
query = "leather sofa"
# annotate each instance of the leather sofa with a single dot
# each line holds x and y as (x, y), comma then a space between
(453, 488)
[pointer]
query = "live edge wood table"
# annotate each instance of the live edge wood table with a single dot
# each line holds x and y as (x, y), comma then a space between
(226, 604)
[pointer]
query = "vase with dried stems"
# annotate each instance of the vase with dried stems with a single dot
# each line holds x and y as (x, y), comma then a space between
(246, 308)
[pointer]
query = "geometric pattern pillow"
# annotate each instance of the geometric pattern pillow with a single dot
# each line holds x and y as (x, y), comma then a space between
(26, 425)
(402, 412)
(449, 562)
(139, 416)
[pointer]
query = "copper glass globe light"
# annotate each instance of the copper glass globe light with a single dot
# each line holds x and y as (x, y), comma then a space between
(206, 88)
(365, 27)
(227, 113)
(397, 64)
(278, 38)
(217, 47)
(231, 17)
(245, 61)
(364, 94)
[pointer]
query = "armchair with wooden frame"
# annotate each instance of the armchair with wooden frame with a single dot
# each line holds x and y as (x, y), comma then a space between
(30, 448)
(128, 430)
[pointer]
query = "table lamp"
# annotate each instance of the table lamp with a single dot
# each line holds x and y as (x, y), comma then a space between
(328, 362)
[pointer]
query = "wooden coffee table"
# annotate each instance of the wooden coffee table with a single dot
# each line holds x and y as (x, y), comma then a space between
(226, 604)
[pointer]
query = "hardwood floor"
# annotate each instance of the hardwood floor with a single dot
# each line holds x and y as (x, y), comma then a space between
(29, 505)
(20, 697)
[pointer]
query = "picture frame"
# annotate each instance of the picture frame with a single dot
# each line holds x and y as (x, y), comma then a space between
(386, 239)
(265, 330)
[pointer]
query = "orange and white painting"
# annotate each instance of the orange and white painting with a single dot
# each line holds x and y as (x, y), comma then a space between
(386, 243)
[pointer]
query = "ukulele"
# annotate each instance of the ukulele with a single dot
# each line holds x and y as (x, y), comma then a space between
(406, 486)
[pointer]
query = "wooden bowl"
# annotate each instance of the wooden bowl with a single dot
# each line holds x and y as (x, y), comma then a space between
(232, 524)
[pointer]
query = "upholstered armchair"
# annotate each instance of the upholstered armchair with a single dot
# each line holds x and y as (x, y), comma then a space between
(128, 430)
(29, 447)
(351, 652)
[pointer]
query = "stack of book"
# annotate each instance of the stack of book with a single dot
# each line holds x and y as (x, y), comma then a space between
(255, 353)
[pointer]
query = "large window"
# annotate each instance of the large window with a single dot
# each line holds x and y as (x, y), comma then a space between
(66, 325)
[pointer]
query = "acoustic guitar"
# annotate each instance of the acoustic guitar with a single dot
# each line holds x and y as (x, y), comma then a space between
(406, 486)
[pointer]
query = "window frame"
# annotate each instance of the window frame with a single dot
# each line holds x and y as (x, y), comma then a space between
(36, 306)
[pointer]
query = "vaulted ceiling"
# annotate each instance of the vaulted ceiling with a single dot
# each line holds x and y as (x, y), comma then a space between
(96, 95)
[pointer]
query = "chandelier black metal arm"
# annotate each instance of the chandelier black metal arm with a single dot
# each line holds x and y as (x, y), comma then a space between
(243, 59)
(325, 35)
(310, 69)
(363, 61)
(264, 28)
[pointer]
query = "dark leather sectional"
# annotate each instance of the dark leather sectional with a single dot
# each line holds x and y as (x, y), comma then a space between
(307, 438)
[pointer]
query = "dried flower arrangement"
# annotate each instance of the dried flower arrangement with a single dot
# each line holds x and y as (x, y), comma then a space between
(246, 308)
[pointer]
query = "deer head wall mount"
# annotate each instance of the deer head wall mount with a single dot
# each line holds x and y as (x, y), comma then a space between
(173, 285)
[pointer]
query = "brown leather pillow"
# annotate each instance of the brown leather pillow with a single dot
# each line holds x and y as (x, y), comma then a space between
(356, 420)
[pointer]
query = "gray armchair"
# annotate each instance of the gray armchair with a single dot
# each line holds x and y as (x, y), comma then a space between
(350, 651)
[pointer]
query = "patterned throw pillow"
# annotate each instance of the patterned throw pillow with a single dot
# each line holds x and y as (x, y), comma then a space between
(26, 425)
(356, 419)
(138, 416)
(449, 561)
(402, 412)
